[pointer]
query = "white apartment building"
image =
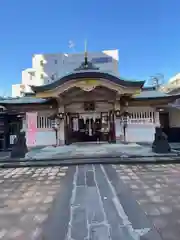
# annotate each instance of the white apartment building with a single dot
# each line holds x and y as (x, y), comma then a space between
(47, 68)
(172, 85)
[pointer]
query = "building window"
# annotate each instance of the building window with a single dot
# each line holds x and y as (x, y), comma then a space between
(43, 122)
(41, 63)
(55, 61)
(89, 106)
(32, 74)
(101, 60)
(42, 76)
(53, 77)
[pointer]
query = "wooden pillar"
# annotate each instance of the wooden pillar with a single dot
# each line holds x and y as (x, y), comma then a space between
(3, 132)
(66, 129)
(112, 127)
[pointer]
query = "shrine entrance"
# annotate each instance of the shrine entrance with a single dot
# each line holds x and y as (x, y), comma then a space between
(89, 127)
(89, 115)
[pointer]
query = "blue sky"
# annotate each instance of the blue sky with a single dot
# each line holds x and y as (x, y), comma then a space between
(147, 34)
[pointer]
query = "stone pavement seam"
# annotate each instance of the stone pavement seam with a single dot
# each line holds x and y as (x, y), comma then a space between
(147, 214)
(141, 220)
(71, 204)
(87, 216)
(101, 202)
(57, 223)
(133, 233)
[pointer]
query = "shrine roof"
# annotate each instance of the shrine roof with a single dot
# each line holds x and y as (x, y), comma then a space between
(88, 74)
(22, 100)
(153, 94)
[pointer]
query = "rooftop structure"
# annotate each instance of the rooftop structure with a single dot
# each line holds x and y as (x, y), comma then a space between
(173, 85)
(47, 68)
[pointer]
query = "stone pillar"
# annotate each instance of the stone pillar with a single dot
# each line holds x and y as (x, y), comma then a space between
(157, 120)
(24, 124)
(117, 121)
(66, 128)
(61, 132)
(112, 127)
(61, 137)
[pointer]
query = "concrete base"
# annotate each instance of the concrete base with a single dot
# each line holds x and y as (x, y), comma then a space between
(95, 150)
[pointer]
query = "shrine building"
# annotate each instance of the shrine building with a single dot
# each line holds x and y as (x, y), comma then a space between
(84, 102)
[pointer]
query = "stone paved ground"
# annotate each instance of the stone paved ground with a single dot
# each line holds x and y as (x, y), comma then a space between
(90, 202)
(157, 190)
(26, 195)
(96, 212)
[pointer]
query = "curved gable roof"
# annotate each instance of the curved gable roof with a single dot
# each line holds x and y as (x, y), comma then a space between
(88, 74)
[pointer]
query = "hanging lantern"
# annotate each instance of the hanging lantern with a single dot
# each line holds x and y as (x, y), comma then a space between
(118, 113)
(60, 115)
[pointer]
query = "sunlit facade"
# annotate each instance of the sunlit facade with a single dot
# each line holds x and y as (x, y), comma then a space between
(47, 68)
(89, 104)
